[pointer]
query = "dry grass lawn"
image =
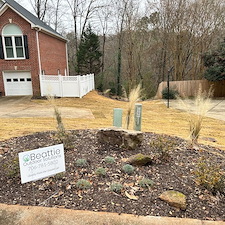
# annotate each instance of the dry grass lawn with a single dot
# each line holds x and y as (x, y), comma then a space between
(156, 118)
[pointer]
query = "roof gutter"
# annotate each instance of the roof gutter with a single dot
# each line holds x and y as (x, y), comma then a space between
(33, 26)
(3, 9)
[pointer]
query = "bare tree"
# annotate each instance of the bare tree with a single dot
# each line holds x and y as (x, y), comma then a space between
(82, 12)
(40, 7)
(104, 17)
(57, 8)
(120, 7)
(185, 29)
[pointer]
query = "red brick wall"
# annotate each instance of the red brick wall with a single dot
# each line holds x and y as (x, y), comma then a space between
(30, 64)
(53, 54)
(52, 51)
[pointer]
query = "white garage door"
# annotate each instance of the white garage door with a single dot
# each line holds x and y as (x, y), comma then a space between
(17, 83)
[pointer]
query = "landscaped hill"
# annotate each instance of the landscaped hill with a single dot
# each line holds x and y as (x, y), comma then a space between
(156, 118)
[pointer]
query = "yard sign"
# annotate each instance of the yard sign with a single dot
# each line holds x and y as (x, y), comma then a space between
(40, 163)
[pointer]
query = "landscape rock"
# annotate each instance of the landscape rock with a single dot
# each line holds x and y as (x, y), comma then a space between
(174, 198)
(127, 139)
(139, 160)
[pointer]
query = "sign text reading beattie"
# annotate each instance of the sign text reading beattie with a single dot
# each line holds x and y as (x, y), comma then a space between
(41, 163)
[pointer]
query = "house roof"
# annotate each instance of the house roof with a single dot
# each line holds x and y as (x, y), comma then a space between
(35, 22)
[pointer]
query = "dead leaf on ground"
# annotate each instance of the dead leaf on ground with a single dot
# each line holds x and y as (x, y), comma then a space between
(132, 197)
(59, 194)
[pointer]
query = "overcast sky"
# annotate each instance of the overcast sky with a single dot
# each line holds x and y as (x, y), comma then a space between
(67, 21)
(66, 18)
(26, 4)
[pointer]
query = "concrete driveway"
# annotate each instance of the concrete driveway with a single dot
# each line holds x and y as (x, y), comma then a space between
(217, 108)
(22, 106)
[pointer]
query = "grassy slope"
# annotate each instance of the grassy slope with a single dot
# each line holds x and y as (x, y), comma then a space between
(156, 118)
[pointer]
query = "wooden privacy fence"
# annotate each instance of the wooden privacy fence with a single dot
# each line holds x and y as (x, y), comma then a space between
(189, 88)
(66, 86)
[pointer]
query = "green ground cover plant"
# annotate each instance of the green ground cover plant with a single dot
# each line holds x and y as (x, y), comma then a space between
(145, 183)
(116, 187)
(100, 171)
(81, 162)
(82, 184)
(109, 159)
(127, 168)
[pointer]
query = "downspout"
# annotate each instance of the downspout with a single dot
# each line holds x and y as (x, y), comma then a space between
(39, 59)
(38, 50)
(67, 64)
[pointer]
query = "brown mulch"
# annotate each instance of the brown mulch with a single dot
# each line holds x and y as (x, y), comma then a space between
(177, 173)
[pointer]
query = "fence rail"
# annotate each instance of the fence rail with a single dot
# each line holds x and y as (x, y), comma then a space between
(189, 88)
(66, 86)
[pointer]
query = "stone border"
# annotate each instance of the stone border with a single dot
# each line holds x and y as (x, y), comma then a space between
(27, 215)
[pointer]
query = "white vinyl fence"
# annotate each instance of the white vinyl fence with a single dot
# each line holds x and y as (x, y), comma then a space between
(66, 86)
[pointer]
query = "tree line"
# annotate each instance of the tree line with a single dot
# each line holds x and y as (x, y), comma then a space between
(127, 42)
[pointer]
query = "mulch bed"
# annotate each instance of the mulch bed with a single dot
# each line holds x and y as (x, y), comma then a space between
(177, 173)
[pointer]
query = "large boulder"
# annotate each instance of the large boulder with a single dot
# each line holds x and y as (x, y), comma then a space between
(174, 198)
(139, 160)
(128, 139)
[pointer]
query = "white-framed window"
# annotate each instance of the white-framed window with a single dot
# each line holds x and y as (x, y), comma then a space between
(13, 42)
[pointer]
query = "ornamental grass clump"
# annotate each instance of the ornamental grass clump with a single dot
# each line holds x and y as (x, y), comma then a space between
(202, 105)
(82, 184)
(116, 187)
(61, 135)
(134, 96)
(129, 169)
(81, 163)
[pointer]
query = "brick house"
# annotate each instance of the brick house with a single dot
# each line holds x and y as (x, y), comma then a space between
(28, 48)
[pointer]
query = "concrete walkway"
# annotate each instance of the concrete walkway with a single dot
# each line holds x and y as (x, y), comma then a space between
(22, 106)
(30, 215)
(217, 108)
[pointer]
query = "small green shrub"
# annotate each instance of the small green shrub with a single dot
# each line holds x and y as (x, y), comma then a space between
(129, 169)
(81, 163)
(145, 183)
(163, 146)
(112, 87)
(59, 176)
(116, 187)
(83, 184)
(210, 175)
(12, 167)
(109, 159)
(100, 171)
(172, 94)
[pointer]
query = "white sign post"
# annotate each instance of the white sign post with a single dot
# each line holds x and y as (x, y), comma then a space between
(40, 163)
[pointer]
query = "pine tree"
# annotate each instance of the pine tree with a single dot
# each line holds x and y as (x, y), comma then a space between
(88, 54)
(215, 63)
